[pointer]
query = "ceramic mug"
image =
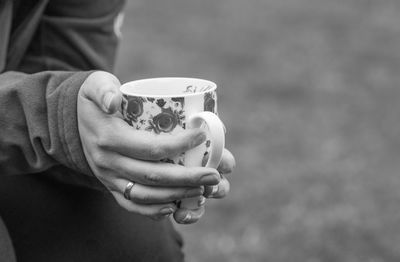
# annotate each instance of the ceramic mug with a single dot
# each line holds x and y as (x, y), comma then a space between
(166, 106)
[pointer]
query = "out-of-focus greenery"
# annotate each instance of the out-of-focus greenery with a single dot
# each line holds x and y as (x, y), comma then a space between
(309, 91)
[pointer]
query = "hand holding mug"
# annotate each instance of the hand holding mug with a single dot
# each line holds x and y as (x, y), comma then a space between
(119, 155)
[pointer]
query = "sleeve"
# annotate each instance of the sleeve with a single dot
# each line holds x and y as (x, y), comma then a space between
(73, 35)
(38, 93)
(38, 122)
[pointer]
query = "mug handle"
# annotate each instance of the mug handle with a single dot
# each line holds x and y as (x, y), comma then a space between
(216, 132)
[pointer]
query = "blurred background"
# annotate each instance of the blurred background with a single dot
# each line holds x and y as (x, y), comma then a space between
(309, 92)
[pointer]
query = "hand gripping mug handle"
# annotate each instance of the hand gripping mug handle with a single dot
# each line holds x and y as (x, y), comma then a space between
(216, 132)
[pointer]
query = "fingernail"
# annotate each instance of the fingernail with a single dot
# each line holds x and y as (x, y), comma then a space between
(202, 201)
(210, 179)
(167, 211)
(225, 168)
(214, 189)
(187, 218)
(107, 100)
(211, 190)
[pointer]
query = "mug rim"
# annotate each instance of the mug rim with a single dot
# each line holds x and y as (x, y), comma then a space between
(124, 88)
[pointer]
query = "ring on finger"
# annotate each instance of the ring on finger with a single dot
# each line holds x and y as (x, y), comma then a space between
(128, 189)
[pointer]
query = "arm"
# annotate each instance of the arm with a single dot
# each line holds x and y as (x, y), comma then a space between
(38, 127)
(72, 35)
(38, 122)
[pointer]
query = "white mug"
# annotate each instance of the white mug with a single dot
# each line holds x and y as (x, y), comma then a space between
(169, 105)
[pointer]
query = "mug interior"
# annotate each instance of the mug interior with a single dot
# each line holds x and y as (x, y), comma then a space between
(167, 87)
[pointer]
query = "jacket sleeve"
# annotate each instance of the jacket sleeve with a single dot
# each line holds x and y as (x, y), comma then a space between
(72, 35)
(38, 93)
(38, 122)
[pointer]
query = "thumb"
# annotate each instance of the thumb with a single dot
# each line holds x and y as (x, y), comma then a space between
(102, 88)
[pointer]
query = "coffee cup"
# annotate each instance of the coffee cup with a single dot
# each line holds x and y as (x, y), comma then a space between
(168, 105)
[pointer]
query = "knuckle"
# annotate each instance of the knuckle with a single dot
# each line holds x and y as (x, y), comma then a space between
(152, 178)
(99, 159)
(104, 140)
(156, 152)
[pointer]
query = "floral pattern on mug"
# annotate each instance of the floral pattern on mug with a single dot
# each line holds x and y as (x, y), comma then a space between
(209, 102)
(160, 115)
(134, 108)
(166, 121)
(164, 116)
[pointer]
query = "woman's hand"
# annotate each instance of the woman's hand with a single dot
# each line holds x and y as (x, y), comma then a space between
(118, 154)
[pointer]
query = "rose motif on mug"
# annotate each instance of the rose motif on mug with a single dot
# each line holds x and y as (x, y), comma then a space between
(209, 102)
(135, 108)
(165, 121)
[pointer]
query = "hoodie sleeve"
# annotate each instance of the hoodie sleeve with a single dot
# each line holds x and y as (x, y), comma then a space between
(71, 35)
(38, 90)
(38, 122)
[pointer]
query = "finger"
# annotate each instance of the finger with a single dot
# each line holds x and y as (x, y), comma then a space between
(159, 173)
(102, 88)
(145, 145)
(142, 194)
(227, 163)
(186, 216)
(218, 191)
(156, 211)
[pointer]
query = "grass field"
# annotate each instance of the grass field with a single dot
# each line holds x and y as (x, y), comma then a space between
(309, 92)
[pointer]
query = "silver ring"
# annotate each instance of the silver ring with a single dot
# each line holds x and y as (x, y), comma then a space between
(127, 191)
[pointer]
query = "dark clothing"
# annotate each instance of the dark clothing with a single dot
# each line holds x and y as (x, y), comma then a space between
(52, 205)
(6, 249)
(49, 221)
(45, 60)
